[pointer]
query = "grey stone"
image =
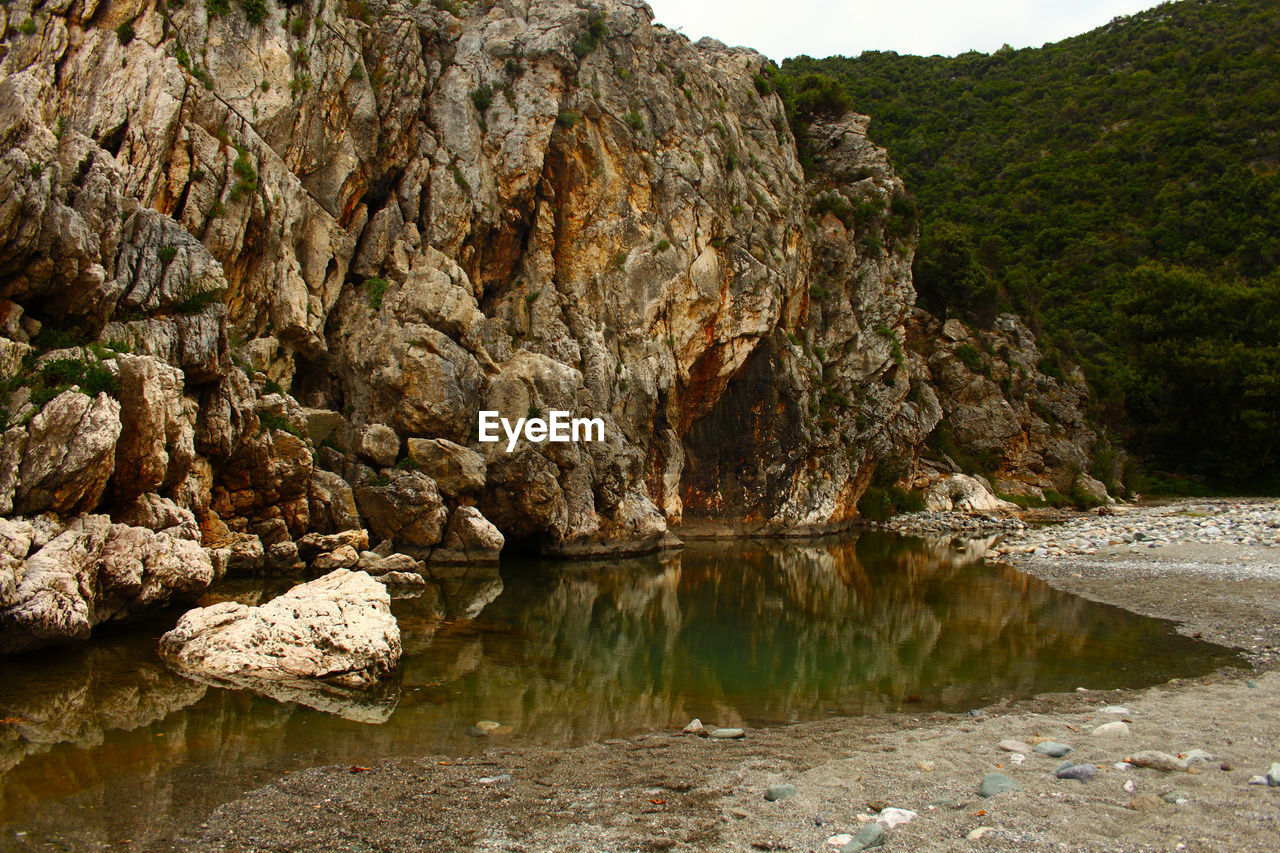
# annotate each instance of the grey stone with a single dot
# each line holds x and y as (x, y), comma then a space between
(728, 734)
(871, 835)
(1051, 748)
(1079, 772)
(996, 783)
(780, 791)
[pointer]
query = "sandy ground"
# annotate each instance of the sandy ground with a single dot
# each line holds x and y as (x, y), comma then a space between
(667, 791)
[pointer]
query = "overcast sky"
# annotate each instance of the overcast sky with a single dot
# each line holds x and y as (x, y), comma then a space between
(783, 28)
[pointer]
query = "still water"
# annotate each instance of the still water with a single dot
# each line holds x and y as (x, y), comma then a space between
(103, 743)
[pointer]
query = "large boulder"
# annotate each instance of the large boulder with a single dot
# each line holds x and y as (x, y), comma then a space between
(963, 493)
(332, 503)
(95, 572)
(456, 469)
(69, 456)
(405, 508)
(157, 438)
(337, 628)
(469, 538)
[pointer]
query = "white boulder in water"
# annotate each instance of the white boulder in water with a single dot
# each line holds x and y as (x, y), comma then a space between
(337, 628)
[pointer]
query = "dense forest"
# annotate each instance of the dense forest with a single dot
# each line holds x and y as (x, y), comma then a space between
(1120, 191)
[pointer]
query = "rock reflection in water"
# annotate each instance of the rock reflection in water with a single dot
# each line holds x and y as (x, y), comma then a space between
(734, 632)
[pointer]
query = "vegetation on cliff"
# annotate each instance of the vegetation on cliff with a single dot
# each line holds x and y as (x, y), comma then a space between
(1118, 189)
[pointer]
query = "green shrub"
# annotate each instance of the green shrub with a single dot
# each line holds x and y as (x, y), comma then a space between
(596, 32)
(453, 7)
(482, 97)
(634, 121)
(217, 7)
(377, 289)
(255, 11)
(567, 118)
(27, 27)
(168, 253)
(970, 357)
(276, 423)
(661, 246)
(459, 178)
(299, 26)
(197, 302)
(125, 33)
(881, 503)
(300, 84)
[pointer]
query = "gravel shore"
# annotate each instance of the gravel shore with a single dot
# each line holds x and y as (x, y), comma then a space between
(671, 791)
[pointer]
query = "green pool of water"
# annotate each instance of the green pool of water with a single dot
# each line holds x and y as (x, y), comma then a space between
(103, 743)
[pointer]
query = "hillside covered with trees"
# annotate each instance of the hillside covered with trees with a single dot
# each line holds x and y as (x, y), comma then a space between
(1120, 191)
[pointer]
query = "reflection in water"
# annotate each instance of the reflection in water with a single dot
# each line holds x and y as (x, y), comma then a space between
(104, 743)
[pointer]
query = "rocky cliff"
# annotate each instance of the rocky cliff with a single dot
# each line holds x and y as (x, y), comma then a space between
(262, 264)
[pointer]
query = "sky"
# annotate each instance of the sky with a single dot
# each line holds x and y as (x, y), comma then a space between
(826, 27)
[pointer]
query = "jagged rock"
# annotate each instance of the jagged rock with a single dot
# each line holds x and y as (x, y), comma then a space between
(379, 444)
(161, 515)
(337, 628)
(95, 572)
(394, 255)
(13, 446)
(407, 509)
(314, 544)
(402, 580)
(963, 493)
(157, 438)
(456, 470)
(344, 557)
(69, 455)
(392, 563)
(247, 553)
(1093, 489)
(469, 538)
(332, 504)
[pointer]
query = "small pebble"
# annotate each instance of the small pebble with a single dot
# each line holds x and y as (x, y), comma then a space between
(892, 817)
(1116, 728)
(1156, 760)
(780, 792)
(996, 783)
(724, 734)
(1014, 746)
(1051, 748)
(975, 834)
(1144, 803)
(1079, 772)
(871, 835)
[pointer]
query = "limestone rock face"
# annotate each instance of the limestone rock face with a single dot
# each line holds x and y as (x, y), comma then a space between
(303, 253)
(337, 628)
(1003, 412)
(93, 572)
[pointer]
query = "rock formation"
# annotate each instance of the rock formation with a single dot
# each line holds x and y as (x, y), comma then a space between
(337, 630)
(263, 264)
